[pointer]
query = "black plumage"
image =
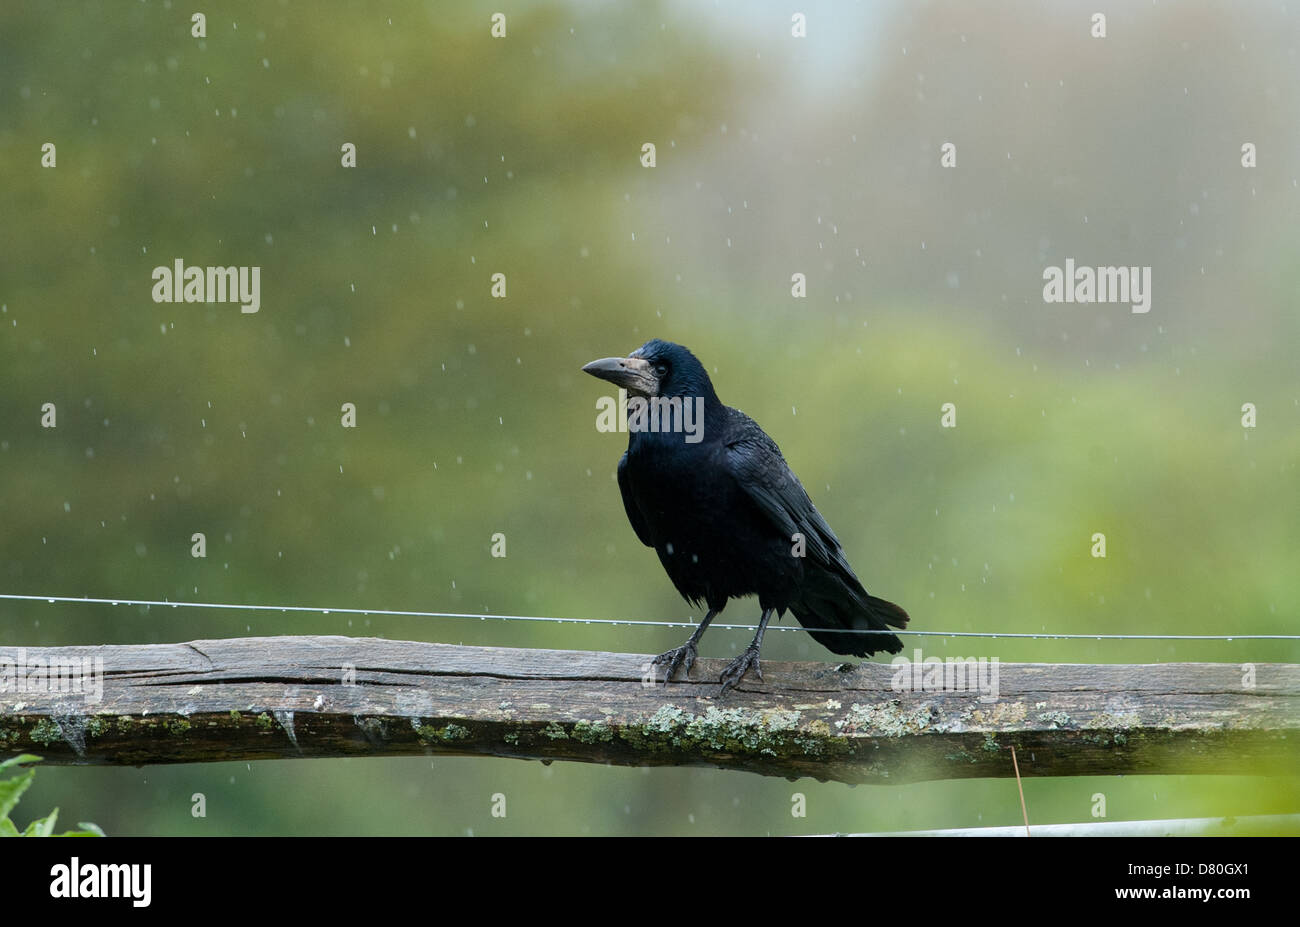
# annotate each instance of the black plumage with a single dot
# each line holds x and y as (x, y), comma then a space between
(725, 514)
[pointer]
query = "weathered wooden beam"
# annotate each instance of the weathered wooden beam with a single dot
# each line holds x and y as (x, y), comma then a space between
(261, 698)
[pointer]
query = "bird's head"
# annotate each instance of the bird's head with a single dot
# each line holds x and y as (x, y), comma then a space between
(657, 368)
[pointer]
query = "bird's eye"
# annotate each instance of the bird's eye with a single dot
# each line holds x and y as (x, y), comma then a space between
(661, 370)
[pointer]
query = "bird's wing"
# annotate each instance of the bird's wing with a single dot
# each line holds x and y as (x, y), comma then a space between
(629, 504)
(758, 467)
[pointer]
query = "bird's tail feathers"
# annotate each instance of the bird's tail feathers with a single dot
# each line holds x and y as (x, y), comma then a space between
(891, 614)
(847, 609)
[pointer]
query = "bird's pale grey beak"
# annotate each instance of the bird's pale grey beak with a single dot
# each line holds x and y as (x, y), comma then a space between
(633, 374)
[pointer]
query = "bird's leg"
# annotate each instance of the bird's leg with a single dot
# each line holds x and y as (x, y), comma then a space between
(686, 652)
(737, 668)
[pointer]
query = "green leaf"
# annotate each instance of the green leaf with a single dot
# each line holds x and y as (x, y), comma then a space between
(20, 758)
(12, 789)
(42, 827)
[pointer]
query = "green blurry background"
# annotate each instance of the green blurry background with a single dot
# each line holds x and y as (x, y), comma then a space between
(521, 156)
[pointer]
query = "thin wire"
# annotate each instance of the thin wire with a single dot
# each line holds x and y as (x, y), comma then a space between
(398, 613)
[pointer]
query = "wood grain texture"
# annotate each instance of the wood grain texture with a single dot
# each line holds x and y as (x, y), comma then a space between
(262, 698)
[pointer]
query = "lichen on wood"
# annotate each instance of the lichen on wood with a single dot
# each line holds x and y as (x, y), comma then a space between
(263, 698)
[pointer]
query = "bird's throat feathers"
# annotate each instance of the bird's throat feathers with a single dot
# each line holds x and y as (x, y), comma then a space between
(673, 418)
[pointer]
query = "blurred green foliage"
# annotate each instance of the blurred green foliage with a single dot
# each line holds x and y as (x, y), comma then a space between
(520, 155)
(12, 788)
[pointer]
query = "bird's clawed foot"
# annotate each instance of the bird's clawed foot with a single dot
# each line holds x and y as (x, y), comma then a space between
(737, 668)
(685, 654)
